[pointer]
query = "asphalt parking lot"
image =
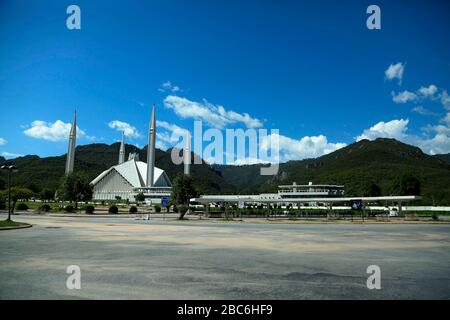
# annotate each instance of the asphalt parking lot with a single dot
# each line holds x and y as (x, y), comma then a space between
(124, 258)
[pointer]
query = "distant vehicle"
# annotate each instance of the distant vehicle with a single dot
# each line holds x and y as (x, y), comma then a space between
(393, 212)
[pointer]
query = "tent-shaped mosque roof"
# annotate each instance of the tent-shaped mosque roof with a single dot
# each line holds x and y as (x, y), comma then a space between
(135, 172)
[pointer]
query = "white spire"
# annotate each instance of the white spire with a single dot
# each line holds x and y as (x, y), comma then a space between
(151, 150)
(72, 143)
(122, 149)
(187, 154)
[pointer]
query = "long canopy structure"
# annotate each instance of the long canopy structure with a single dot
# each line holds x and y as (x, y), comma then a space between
(262, 199)
(276, 199)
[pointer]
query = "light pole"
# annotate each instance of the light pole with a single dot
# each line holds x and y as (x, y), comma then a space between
(10, 168)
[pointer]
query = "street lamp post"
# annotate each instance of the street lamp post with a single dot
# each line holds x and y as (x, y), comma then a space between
(10, 168)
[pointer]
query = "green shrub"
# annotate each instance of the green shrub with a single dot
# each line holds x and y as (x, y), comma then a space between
(183, 209)
(45, 208)
(140, 197)
(435, 216)
(89, 209)
(157, 209)
(113, 209)
(175, 209)
(69, 208)
(2, 205)
(22, 206)
(133, 209)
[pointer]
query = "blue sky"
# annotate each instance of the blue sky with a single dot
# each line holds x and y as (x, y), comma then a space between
(308, 68)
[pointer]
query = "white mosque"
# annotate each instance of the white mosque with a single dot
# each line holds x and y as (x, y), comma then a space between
(129, 178)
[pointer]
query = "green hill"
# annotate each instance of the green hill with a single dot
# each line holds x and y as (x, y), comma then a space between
(445, 157)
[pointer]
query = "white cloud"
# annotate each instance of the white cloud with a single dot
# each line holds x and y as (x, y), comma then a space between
(439, 129)
(169, 136)
(423, 111)
(176, 130)
(165, 140)
(306, 147)
(445, 100)
(169, 87)
(213, 115)
(129, 130)
(93, 138)
(423, 93)
(428, 92)
(403, 97)
(439, 144)
(140, 103)
(56, 131)
(159, 144)
(247, 161)
(446, 119)
(395, 71)
(9, 155)
(3, 142)
(395, 129)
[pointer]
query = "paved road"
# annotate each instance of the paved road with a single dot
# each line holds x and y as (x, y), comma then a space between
(122, 258)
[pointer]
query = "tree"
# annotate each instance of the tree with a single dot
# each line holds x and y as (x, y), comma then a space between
(113, 209)
(47, 194)
(371, 189)
(182, 209)
(406, 185)
(75, 187)
(168, 207)
(33, 187)
(89, 209)
(16, 194)
(133, 209)
(183, 189)
(140, 197)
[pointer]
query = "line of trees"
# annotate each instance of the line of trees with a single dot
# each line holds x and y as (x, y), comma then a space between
(74, 187)
(403, 185)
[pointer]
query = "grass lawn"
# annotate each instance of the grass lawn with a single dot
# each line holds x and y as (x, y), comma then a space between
(9, 223)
